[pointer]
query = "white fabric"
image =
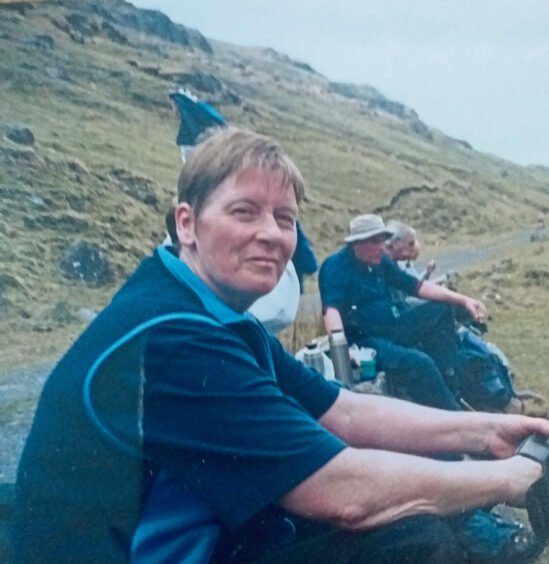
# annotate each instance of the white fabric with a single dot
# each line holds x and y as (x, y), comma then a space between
(328, 372)
(277, 309)
(410, 268)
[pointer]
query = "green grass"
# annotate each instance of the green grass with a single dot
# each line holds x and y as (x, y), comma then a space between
(112, 116)
(518, 300)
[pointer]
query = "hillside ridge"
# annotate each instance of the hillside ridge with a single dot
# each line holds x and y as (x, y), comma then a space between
(88, 154)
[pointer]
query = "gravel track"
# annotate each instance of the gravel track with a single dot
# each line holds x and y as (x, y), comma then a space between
(19, 392)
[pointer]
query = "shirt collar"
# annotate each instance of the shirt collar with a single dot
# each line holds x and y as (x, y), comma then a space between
(360, 265)
(211, 302)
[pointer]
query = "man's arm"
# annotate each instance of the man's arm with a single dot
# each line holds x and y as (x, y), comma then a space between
(332, 320)
(430, 291)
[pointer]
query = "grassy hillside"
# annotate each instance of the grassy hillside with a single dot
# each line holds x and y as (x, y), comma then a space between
(91, 79)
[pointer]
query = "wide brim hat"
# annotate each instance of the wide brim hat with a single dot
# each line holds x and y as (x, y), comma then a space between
(365, 227)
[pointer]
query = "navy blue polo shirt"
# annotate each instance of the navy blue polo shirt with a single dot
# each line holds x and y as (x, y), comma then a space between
(361, 292)
(228, 411)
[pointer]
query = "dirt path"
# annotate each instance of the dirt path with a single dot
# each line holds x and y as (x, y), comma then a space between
(19, 391)
(463, 258)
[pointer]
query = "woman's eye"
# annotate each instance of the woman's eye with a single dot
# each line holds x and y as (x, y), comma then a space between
(243, 212)
(286, 220)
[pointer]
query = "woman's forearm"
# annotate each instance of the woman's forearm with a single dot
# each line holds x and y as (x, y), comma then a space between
(361, 489)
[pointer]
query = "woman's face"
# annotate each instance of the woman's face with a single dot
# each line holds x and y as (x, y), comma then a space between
(244, 236)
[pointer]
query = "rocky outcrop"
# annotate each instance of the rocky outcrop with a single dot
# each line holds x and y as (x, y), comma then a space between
(152, 22)
(113, 34)
(200, 82)
(404, 193)
(376, 101)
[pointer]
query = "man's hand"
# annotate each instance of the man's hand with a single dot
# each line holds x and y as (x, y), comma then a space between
(476, 308)
(431, 265)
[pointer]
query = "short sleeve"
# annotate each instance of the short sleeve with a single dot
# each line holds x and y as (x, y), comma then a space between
(331, 283)
(223, 426)
(314, 393)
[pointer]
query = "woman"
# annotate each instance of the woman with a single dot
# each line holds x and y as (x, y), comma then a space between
(174, 397)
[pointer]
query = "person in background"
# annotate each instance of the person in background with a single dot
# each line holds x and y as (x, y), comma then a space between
(416, 346)
(403, 247)
(195, 116)
(364, 292)
(278, 309)
(175, 427)
(303, 258)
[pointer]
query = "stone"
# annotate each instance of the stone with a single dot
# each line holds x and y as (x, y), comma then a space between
(86, 261)
(37, 201)
(19, 134)
(87, 314)
(59, 73)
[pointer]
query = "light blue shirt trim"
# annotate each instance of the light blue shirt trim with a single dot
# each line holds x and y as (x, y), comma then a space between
(211, 302)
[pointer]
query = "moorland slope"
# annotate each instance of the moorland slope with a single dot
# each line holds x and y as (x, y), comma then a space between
(91, 80)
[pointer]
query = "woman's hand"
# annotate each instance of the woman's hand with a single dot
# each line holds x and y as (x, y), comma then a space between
(506, 432)
(524, 472)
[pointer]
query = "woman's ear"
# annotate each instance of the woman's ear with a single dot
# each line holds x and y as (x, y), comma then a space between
(185, 224)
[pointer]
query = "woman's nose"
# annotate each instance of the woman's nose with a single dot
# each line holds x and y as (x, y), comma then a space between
(269, 229)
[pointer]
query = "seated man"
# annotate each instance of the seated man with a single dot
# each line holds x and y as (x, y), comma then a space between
(416, 347)
(403, 247)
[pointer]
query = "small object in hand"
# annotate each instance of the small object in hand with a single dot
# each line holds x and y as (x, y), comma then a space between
(536, 447)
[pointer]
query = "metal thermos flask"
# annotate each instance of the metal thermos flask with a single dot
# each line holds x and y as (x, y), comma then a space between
(339, 353)
(312, 357)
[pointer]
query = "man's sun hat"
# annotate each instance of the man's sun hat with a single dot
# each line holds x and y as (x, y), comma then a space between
(366, 226)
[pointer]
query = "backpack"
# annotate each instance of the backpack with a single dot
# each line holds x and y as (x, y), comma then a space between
(484, 375)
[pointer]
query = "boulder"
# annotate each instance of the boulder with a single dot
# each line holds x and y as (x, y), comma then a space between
(19, 134)
(86, 261)
(59, 73)
(155, 23)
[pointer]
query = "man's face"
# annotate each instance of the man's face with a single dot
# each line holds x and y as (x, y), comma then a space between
(406, 249)
(370, 250)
